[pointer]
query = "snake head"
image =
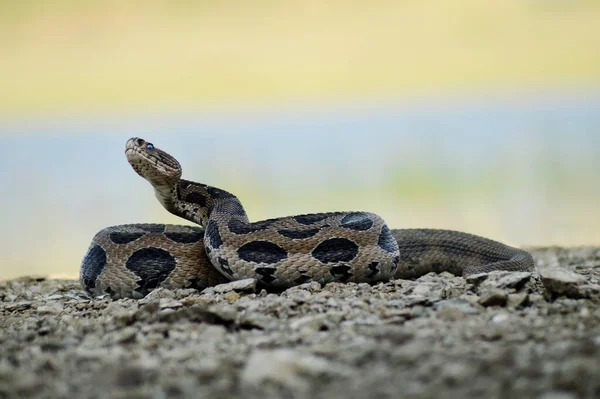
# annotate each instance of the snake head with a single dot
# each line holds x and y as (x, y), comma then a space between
(153, 164)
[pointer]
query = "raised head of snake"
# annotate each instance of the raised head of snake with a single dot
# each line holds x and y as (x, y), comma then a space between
(324, 247)
(184, 198)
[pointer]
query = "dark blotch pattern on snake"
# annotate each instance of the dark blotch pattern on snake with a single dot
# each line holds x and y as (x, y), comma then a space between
(132, 260)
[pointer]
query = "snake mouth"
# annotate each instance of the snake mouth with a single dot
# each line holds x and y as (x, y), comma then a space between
(132, 152)
(135, 147)
(132, 143)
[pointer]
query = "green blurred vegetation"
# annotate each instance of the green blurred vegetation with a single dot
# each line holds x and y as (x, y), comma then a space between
(92, 55)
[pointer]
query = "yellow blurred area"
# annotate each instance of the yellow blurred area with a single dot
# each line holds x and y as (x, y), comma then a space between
(58, 56)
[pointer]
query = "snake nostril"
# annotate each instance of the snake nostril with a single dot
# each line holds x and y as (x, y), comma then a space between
(140, 142)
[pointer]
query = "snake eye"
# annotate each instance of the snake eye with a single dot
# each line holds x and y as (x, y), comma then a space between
(150, 146)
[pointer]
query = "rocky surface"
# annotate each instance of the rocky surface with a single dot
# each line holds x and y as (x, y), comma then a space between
(534, 335)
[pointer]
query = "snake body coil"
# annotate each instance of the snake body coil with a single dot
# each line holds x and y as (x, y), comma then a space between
(132, 260)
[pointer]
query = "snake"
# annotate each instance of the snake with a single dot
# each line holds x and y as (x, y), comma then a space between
(223, 245)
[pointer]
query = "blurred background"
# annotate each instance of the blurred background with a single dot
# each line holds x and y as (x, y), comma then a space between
(467, 115)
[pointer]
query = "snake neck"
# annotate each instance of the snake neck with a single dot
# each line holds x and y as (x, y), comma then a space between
(166, 196)
(200, 203)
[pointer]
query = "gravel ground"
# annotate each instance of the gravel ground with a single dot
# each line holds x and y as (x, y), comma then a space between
(530, 335)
